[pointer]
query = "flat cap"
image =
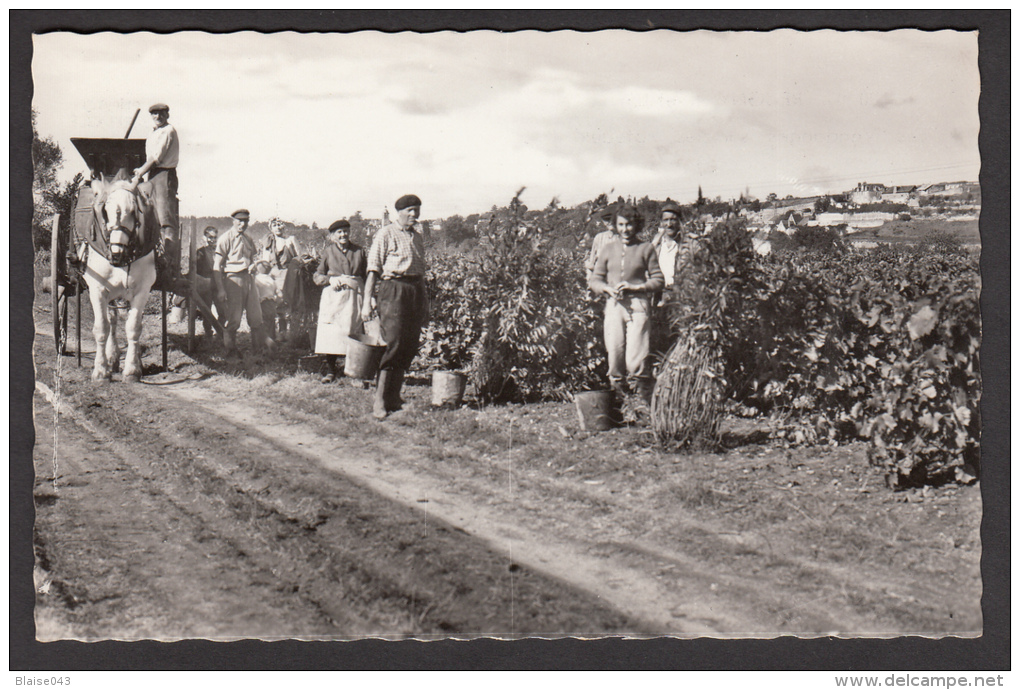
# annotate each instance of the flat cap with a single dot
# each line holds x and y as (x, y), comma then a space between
(337, 224)
(407, 201)
(158, 107)
(671, 206)
(241, 214)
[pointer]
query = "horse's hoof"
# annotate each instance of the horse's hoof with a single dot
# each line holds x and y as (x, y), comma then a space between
(98, 378)
(132, 378)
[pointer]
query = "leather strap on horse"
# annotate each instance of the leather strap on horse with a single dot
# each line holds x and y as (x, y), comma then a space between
(90, 227)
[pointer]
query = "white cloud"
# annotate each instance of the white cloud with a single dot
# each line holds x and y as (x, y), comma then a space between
(318, 126)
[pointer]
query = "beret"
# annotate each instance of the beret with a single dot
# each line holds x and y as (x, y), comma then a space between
(671, 206)
(337, 224)
(241, 214)
(156, 107)
(407, 201)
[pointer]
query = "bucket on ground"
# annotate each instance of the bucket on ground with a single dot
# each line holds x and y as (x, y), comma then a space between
(594, 410)
(363, 356)
(448, 388)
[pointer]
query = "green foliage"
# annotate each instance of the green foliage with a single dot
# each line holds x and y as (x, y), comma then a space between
(714, 293)
(881, 345)
(47, 194)
(817, 239)
(838, 344)
(59, 199)
(516, 312)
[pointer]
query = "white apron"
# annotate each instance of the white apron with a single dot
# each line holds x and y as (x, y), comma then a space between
(339, 317)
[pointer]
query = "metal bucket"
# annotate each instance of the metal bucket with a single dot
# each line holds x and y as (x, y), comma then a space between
(363, 355)
(594, 410)
(448, 388)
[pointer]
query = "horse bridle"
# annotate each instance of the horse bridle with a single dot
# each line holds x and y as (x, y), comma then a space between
(120, 241)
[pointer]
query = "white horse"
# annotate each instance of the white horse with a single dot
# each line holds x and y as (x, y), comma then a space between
(128, 272)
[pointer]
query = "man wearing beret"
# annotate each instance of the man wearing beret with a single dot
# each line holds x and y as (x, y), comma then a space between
(162, 150)
(396, 264)
(235, 288)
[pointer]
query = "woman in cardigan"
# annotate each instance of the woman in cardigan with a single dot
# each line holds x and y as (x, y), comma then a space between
(627, 271)
(341, 273)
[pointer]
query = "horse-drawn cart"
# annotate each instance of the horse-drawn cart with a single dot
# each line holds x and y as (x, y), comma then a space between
(104, 158)
(86, 231)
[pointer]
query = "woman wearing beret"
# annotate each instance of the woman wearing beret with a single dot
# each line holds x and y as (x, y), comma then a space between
(341, 274)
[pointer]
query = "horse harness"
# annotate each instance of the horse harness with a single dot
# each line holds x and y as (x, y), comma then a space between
(90, 229)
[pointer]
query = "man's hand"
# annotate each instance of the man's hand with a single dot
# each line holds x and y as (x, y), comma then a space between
(367, 308)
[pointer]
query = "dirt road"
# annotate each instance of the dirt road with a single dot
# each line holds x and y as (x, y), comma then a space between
(161, 519)
(198, 504)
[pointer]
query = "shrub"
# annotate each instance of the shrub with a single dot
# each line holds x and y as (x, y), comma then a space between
(516, 312)
(881, 345)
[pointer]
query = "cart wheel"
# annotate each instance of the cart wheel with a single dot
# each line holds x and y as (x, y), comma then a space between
(57, 291)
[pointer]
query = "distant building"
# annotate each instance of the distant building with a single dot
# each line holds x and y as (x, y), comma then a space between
(867, 193)
(874, 193)
(950, 189)
(900, 195)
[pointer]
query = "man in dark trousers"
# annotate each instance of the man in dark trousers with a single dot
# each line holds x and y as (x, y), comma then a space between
(204, 282)
(235, 288)
(162, 152)
(396, 264)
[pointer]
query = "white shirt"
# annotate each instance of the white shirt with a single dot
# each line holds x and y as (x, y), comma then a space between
(668, 249)
(163, 146)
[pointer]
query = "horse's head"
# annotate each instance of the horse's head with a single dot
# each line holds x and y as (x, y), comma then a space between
(117, 204)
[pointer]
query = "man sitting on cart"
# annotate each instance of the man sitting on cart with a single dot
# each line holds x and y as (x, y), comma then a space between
(162, 151)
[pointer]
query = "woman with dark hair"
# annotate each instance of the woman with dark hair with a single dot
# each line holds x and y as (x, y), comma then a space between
(627, 271)
(341, 274)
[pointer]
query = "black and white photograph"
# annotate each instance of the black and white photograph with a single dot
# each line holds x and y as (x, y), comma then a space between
(408, 335)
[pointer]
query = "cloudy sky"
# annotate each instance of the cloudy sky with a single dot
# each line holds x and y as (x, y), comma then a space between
(314, 127)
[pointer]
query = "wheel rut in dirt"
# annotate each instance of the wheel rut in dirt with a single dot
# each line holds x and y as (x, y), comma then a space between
(359, 564)
(670, 591)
